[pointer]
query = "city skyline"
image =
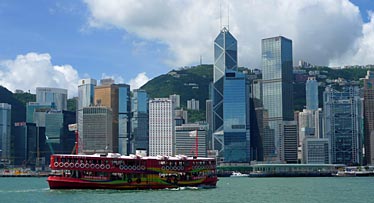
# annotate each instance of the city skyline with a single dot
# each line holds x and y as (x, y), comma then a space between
(76, 40)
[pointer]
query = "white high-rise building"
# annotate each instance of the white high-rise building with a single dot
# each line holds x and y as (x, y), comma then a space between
(193, 104)
(306, 124)
(56, 97)
(161, 127)
(86, 90)
(5, 116)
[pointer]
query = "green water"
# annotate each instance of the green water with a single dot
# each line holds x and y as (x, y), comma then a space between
(335, 189)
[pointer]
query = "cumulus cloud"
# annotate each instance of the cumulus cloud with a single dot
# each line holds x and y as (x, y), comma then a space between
(323, 31)
(138, 81)
(117, 78)
(26, 72)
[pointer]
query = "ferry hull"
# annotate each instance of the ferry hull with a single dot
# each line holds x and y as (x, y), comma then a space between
(56, 182)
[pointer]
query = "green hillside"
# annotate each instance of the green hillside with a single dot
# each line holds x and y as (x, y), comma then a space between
(189, 83)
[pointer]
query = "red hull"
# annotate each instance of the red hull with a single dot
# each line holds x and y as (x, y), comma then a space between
(56, 182)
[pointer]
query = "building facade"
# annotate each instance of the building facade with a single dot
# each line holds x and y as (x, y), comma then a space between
(225, 58)
(191, 138)
(124, 118)
(193, 104)
(107, 94)
(277, 93)
(139, 120)
(311, 92)
(56, 97)
(161, 127)
(86, 98)
(236, 124)
(343, 119)
(369, 117)
(5, 128)
(97, 134)
(316, 151)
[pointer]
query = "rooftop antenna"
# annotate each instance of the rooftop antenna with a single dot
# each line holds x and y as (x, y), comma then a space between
(220, 14)
(228, 16)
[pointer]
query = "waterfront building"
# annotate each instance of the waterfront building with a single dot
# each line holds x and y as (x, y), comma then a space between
(56, 97)
(35, 112)
(289, 142)
(225, 58)
(124, 119)
(277, 93)
(315, 150)
(186, 136)
(86, 98)
(236, 124)
(59, 139)
(318, 122)
(107, 94)
(311, 92)
(97, 134)
(306, 124)
(30, 149)
(5, 128)
(161, 127)
(209, 120)
(256, 121)
(139, 120)
(342, 116)
(193, 104)
(368, 91)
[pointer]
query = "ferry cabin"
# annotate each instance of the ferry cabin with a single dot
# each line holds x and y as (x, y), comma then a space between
(135, 170)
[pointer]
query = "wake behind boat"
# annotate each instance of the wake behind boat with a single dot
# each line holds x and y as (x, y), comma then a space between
(238, 174)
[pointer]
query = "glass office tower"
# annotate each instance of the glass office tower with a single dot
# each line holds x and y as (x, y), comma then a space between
(225, 58)
(124, 111)
(343, 123)
(236, 117)
(311, 93)
(56, 97)
(277, 94)
(139, 120)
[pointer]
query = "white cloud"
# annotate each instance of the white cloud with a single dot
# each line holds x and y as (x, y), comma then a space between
(323, 31)
(138, 81)
(117, 78)
(363, 52)
(32, 70)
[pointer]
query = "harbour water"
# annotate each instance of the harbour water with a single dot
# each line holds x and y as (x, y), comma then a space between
(332, 189)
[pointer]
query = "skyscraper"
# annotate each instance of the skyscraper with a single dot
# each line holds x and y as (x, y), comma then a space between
(124, 118)
(225, 58)
(5, 126)
(277, 93)
(236, 125)
(369, 117)
(86, 92)
(56, 97)
(311, 93)
(139, 120)
(161, 127)
(106, 94)
(97, 134)
(86, 96)
(342, 111)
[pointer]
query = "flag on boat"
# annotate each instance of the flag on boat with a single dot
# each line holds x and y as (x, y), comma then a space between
(192, 133)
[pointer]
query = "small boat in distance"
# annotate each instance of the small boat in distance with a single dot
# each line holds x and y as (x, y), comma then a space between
(115, 171)
(238, 174)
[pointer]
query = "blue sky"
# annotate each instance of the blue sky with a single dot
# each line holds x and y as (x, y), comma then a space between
(135, 40)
